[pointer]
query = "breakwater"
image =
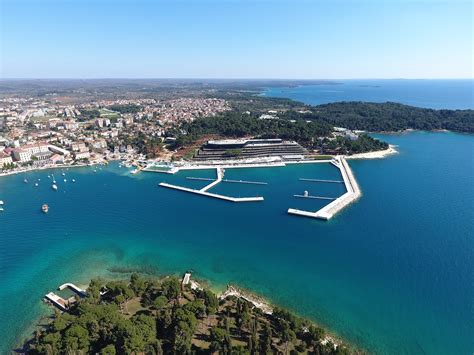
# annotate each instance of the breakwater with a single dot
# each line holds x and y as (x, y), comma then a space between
(352, 194)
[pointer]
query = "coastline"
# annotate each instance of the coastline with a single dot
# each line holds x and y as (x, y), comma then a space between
(266, 307)
(63, 166)
(379, 154)
(257, 301)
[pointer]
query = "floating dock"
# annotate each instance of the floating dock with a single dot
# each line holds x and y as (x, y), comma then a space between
(352, 194)
(315, 197)
(203, 191)
(227, 180)
(319, 180)
(246, 182)
(199, 178)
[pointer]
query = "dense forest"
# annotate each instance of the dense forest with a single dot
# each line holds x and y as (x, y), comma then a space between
(306, 132)
(150, 316)
(386, 117)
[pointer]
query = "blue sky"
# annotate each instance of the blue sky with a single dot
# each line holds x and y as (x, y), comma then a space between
(304, 39)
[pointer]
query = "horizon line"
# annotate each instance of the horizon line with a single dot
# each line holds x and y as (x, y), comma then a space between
(229, 78)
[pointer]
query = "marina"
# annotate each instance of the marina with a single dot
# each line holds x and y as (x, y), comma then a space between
(352, 194)
(204, 191)
(317, 255)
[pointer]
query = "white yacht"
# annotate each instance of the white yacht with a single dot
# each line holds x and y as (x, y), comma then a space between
(54, 187)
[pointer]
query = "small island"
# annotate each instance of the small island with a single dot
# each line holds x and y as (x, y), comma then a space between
(147, 315)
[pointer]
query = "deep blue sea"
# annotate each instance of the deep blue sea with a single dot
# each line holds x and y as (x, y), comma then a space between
(437, 94)
(392, 273)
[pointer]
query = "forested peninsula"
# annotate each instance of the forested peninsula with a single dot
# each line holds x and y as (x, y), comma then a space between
(162, 316)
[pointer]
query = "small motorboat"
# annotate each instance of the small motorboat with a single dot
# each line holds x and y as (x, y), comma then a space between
(1, 202)
(54, 187)
(65, 180)
(63, 174)
(36, 184)
(73, 180)
(1, 209)
(25, 181)
(305, 194)
(45, 208)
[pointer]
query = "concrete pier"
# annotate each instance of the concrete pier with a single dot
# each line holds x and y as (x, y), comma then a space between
(352, 194)
(220, 176)
(59, 302)
(74, 288)
(209, 194)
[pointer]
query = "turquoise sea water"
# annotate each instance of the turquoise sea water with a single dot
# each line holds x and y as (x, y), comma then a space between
(392, 273)
(437, 94)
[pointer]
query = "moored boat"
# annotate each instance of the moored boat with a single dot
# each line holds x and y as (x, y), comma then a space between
(54, 187)
(45, 208)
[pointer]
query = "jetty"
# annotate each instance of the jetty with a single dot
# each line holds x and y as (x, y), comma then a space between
(73, 288)
(62, 303)
(57, 301)
(204, 191)
(352, 194)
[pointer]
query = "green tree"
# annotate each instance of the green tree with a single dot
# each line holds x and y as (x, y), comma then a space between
(217, 337)
(76, 337)
(210, 300)
(171, 288)
(160, 302)
(108, 350)
(93, 291)
(138, 284)
(266, 340)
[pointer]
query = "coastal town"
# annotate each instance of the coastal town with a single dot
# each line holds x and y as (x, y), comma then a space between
(47, 133)
(69, 131)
